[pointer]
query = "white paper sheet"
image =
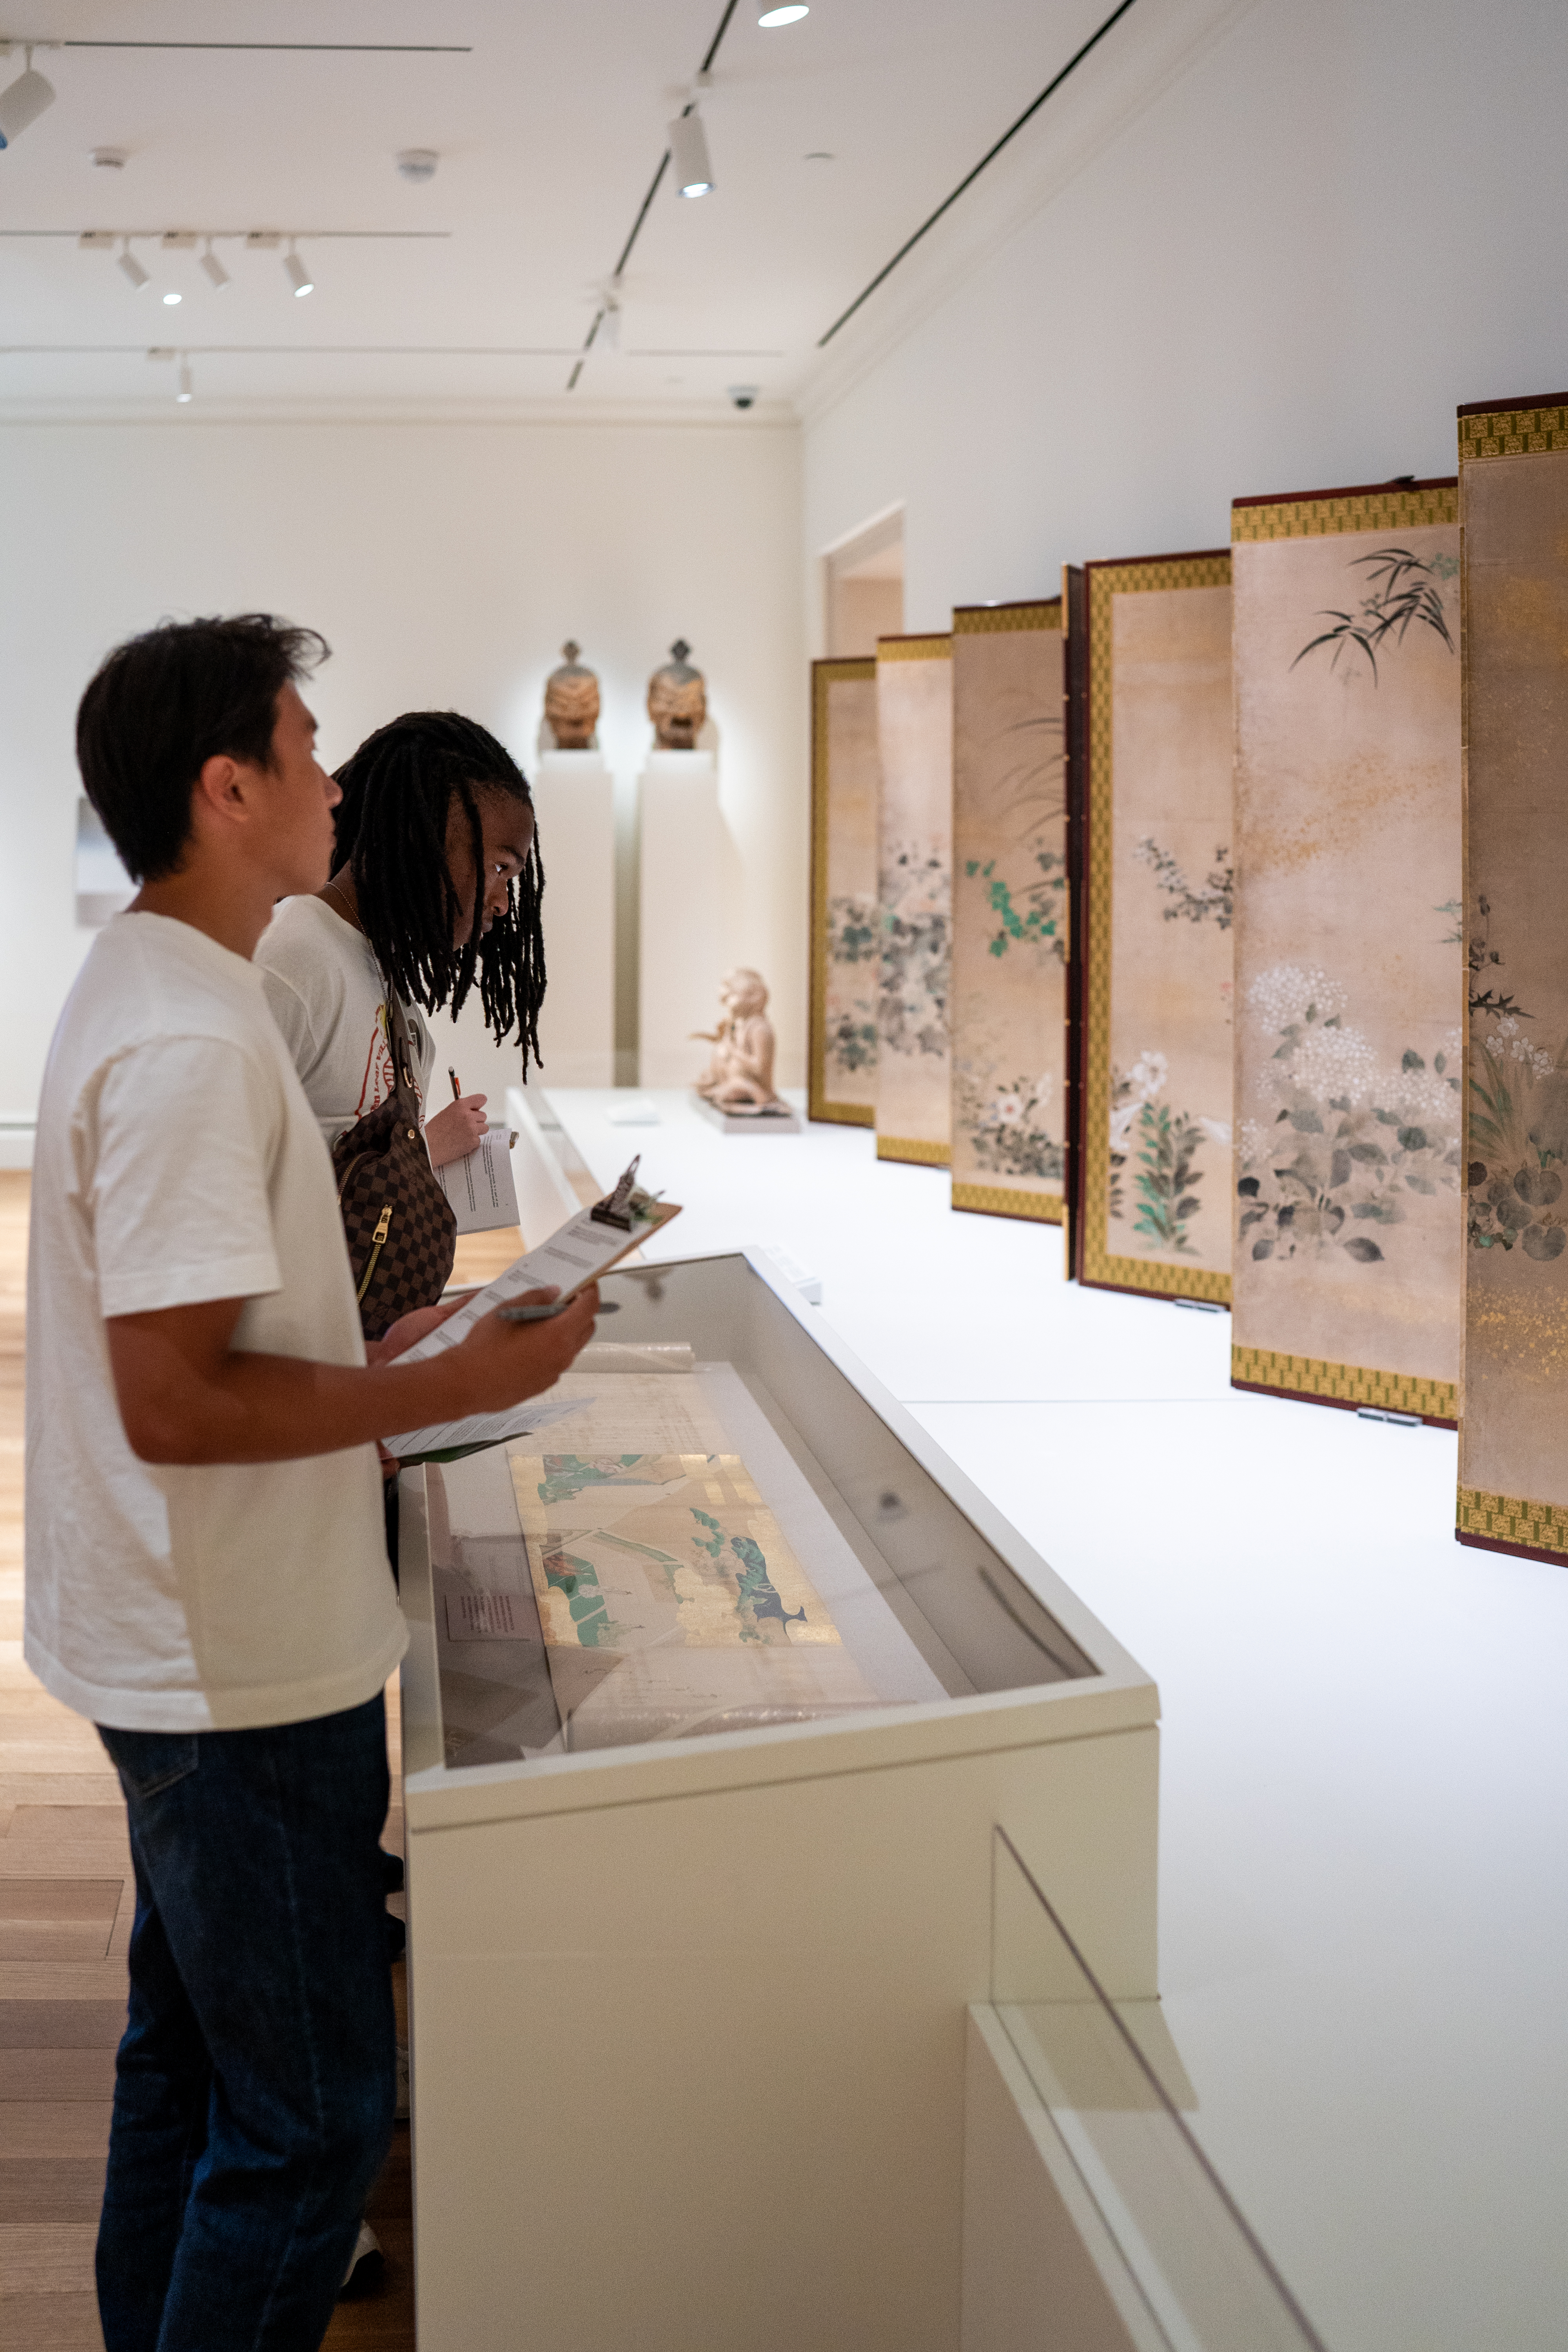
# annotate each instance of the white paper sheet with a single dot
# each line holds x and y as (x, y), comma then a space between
(479, 1187)
(481, 1428)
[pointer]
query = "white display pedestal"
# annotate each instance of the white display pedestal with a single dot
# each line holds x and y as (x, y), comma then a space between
(681, 958)
(572, 795)
(687, 2017)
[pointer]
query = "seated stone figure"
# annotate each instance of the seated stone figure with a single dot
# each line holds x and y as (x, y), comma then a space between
(740, 1077)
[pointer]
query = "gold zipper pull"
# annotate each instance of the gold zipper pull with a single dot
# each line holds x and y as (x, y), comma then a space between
(380, 1231)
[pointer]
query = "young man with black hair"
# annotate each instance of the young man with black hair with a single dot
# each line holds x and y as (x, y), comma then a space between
(207, 1577)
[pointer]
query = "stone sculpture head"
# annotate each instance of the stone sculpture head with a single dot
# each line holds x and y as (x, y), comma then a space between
(572, 702)
(677, 701)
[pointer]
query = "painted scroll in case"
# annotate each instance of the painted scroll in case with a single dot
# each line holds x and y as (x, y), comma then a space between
(1009, 910)
(1348, 1063)
(845, 919)
(1153, 1157)
(914, 860)
(1513, 506)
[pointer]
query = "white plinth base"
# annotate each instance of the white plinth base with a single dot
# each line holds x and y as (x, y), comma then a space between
(572, 794)
(782, 1121)
(681, 916)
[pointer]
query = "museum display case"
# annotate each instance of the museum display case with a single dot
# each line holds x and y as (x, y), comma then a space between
(1087, 2194)
(718, 1686)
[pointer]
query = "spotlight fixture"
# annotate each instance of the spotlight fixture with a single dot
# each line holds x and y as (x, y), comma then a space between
(213, 270)
(299, 277)
(417, 164)
(171, 300)
(133, 269)
(608, 337)
(21, 103)
(688, 153)
(773, 17)
(183, 390)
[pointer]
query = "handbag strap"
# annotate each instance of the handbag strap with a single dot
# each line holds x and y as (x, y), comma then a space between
(402, 1045)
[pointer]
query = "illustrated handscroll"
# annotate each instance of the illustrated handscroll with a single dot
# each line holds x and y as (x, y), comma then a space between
(1513, 502)
(670, 1602)
(1348, 1066)
(1009, 910)
(914, 859)
(845, 955)
(1153, 1160)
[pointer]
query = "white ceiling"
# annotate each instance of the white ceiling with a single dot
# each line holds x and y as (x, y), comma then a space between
(548, 133)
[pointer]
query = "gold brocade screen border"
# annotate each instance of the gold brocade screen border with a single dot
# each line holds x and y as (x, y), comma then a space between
(912, 1151)
(823, 675)
(1318, 514)
(1352, 1385)
(1534, 427)
(1097, 1264)
(993, 620)
(1507, 1523)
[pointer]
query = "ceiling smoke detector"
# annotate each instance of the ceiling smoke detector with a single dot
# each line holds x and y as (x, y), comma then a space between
(417, 164)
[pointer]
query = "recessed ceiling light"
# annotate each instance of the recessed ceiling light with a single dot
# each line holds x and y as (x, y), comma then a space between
(170, 301)
(792, 15)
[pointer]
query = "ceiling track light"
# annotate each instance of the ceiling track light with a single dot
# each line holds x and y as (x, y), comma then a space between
(688, 154)
(183, 387)
(132, 268)
(213, 270)
(608, 337)
(299, 277)
(21, 103)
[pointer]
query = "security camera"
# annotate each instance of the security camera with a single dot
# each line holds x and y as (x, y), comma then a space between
(741, 395)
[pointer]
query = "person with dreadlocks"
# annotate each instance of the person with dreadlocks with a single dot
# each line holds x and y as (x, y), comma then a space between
(435, 888)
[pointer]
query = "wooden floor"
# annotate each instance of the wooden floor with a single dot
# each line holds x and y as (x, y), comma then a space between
(65, 1902)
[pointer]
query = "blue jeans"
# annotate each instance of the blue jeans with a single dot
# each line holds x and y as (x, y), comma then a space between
(256, 2086)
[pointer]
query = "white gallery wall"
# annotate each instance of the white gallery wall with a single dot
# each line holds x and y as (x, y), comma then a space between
(1246, 249)
(445, 564)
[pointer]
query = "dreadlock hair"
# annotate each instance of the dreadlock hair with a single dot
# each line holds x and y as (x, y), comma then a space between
(398, 790)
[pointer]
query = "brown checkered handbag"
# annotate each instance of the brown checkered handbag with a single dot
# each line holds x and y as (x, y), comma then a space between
(401, 1230)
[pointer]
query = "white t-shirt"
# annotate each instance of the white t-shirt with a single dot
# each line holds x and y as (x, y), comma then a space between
(177, 1161)
(327, 996)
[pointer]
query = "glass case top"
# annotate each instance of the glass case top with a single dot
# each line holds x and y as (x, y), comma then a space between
(709, 1529)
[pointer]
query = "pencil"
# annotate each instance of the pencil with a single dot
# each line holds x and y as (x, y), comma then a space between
(456, 1089)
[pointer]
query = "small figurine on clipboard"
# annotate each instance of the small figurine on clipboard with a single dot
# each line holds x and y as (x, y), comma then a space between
(627, 1204)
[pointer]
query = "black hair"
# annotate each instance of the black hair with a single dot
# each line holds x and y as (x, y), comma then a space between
(162, 705)
(399, 791)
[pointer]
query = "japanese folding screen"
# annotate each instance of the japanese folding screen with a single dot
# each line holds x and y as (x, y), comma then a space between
(1154, 1157)
(1513, 1463)
(845, 924)
(914, 731)
(1009, 910)
(1347, 961)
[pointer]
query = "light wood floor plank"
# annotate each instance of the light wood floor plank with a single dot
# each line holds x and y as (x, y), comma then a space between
(51, 2127)
(47, 2258)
